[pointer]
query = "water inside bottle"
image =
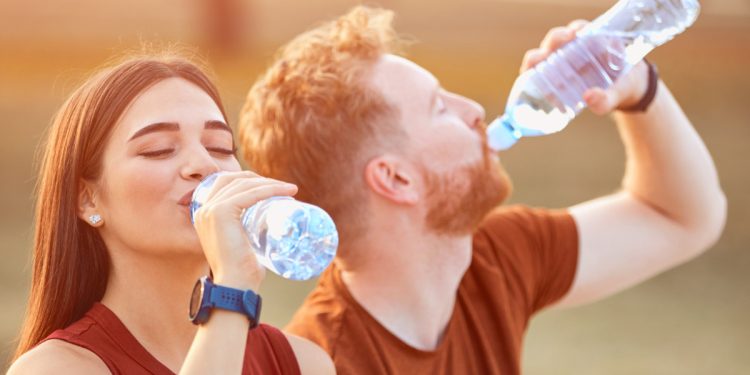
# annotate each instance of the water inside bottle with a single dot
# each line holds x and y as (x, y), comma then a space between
(293, 239)
(547, 97)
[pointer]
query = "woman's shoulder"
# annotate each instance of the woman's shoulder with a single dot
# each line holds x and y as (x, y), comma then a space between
(312, 359)
(57, 356)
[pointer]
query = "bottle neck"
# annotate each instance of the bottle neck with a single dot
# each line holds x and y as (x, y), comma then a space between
(502, 133)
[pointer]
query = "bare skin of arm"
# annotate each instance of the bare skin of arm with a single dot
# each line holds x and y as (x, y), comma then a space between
(671, 206)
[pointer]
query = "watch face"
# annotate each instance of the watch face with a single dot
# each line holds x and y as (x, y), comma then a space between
(195, 299)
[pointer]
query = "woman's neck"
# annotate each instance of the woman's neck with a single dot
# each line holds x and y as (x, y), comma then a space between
(150, 295)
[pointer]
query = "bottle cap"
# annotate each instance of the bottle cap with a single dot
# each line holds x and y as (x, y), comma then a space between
(501, 135)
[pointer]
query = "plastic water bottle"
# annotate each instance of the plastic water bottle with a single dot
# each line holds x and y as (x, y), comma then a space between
(293, 239)
(546, 97)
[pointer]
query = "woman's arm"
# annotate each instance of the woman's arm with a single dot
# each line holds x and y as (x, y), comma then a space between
(219, 345)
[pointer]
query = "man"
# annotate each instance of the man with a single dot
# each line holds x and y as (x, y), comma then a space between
(430, 279)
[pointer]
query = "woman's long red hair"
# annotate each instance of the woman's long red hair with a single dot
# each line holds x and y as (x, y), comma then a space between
(70, 261)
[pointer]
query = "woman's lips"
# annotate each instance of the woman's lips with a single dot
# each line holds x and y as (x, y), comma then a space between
(186, 199)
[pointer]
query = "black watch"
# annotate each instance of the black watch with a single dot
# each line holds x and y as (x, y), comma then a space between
(207, 296)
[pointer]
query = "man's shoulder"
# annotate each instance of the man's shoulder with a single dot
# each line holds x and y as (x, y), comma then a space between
(510, 235)
(355, 341)
(505, 226)
(521, 223)
(321, 316)
(320, 308)
(515, 214)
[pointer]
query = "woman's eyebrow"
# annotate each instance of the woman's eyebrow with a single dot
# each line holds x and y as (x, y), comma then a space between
(156, 127)
(173, 126)
(216, 124)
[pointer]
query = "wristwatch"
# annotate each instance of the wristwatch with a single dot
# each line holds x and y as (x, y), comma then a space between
(207, 296)
(648, 97)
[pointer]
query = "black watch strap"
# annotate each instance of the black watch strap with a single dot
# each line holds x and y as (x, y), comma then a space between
(648, 97)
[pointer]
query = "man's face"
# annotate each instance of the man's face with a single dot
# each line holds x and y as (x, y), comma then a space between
(462, 179)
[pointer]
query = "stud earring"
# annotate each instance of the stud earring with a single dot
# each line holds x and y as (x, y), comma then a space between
(95, 219)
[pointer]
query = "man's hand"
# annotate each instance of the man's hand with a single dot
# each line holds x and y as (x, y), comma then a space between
(627, 89)
(671, 207)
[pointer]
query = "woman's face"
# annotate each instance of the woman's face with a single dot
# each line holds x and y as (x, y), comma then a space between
(170, 137)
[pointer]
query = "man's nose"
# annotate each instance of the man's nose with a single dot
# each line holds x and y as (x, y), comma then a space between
(470, 111)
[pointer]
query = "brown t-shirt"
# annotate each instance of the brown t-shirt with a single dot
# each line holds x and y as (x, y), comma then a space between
(523, 260)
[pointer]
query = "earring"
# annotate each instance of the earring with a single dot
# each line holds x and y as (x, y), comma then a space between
(95, 219)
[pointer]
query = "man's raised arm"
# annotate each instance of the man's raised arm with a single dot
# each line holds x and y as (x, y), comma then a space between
(671, 207)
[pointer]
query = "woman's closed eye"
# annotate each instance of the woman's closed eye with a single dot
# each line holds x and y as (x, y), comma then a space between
(222, 150)
(156, 153)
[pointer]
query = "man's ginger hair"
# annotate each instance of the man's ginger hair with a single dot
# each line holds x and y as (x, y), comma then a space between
(312, 120)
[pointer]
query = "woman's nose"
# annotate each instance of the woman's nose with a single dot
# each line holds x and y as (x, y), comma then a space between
(198, 164)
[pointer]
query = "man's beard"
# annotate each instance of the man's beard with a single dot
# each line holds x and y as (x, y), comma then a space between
(459, 200)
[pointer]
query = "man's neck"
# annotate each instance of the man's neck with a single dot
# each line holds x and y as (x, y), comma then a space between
(409, 283)
(150, 296)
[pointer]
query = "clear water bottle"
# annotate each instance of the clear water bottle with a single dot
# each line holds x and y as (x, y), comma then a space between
(546, 97)
(293, 239)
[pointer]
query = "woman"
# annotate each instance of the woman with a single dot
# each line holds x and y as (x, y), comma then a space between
(115, 254)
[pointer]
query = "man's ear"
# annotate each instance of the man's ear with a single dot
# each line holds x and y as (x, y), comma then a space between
(87, 208)
(392, 179)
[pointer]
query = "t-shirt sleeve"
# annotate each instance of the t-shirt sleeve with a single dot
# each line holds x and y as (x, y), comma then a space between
(535, 250)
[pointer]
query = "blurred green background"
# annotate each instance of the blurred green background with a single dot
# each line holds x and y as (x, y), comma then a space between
(691, 320)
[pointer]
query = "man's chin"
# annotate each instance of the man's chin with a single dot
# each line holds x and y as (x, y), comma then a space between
(458, 209)
(503, 183)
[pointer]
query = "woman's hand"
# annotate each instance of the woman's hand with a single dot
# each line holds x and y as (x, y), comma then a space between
(217, 222)
(626, 91)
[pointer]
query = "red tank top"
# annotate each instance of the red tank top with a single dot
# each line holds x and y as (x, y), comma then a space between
(101, 332)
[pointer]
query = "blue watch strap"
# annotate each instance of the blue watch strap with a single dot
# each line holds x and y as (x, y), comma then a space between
(226, 298)
(242, 301)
